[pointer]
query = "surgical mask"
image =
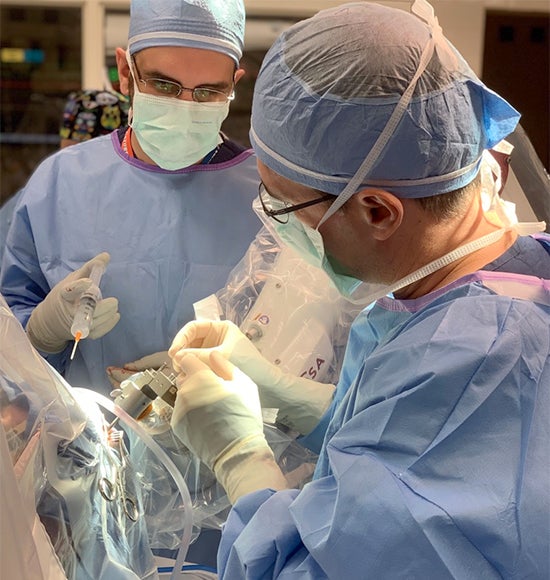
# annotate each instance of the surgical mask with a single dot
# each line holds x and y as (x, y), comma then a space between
(175, 133)
(308, 243)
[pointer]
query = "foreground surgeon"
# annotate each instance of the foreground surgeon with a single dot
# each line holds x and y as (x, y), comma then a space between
(435, 461)
(165, 204)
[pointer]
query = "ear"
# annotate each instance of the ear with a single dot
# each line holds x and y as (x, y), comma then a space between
(123, 70)
(239, 73)
(382, 210)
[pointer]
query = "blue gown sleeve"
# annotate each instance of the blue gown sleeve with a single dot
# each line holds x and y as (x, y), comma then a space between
(314, 440)
(366, 525)
(22, 281)
(283, 555)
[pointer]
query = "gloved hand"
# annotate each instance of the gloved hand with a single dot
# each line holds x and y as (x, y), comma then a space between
(152, 361)
(49, 326)
(217, 416)
(301, 402)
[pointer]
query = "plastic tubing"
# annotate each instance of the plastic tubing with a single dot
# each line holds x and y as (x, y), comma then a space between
(110, 406)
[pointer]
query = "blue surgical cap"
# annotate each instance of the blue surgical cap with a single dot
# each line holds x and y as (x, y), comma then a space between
(209, 24)
(330, 84)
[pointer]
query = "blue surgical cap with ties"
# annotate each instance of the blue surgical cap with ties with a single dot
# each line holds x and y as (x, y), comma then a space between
(216, 25)
(363, 94)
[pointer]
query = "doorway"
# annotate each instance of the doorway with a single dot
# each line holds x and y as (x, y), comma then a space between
(516, 65)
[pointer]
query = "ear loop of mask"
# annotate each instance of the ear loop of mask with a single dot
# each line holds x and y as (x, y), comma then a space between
(134, 82)
(491, 184)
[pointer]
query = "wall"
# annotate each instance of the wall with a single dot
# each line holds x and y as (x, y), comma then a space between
(463, 21)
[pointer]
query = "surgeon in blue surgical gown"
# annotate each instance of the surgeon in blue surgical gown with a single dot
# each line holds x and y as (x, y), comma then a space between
(434, 464)
(165, 203)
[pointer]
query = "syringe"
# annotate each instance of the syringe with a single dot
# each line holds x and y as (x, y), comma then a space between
(82, 321)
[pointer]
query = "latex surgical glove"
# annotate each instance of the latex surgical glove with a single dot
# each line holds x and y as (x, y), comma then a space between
(49, 326)
(152, 361)
(301, 402)
(218, 417)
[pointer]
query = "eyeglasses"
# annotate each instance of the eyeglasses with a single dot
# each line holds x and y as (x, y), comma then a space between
(274, 208)
(173, 89)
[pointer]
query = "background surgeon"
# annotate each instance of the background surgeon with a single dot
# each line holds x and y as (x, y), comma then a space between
(434, 464)
(165, 203)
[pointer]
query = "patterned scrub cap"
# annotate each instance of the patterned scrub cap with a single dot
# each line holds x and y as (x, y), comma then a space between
(90, 113)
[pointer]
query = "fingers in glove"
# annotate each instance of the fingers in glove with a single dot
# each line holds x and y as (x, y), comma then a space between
(221, 366)
(101, 259)
(202, 337)
(72, 291)
(192, 334)
(202, 354)
(217, 363)
(151, 361)
(117, 374)
(105, 318)
(198, 386)
(189, 365)
(200, 334)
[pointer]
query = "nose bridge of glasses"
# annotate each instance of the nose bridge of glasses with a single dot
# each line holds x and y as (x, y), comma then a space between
(185, 93)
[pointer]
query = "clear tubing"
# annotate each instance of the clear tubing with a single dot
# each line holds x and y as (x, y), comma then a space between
(110, 406)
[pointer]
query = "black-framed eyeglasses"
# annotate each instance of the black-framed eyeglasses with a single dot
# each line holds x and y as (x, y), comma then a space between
(279, 210)
(166, 88)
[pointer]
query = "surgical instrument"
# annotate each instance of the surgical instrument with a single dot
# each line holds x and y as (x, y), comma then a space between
(82, 321)
(111, 490)
(137, 393)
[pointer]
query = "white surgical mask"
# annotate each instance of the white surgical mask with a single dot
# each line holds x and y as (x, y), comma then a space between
(308, 243)
(175, 133)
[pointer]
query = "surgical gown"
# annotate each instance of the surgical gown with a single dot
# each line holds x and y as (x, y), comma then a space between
(435, 463)
(173, 237)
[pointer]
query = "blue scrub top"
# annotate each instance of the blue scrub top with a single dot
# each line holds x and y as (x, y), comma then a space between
(173, 237)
